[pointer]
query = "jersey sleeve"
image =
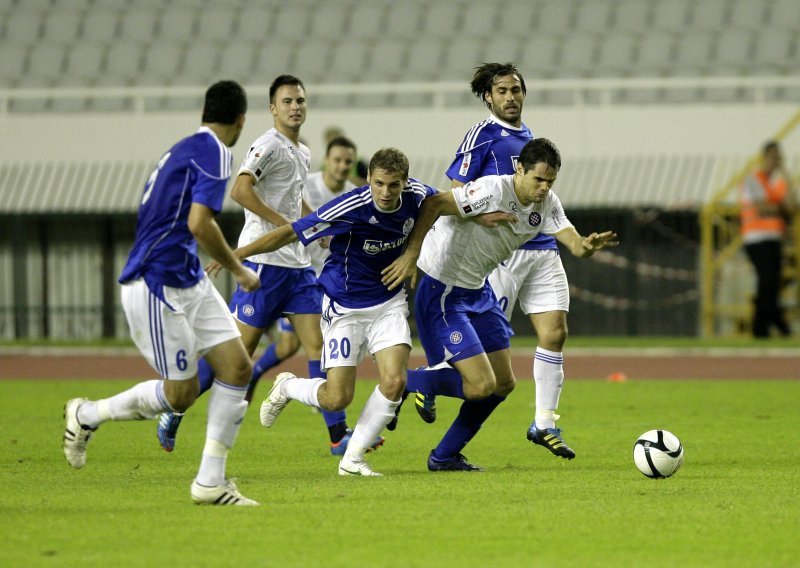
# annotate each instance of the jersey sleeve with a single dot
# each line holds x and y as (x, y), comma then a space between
(317, 224)
(212, 165)
(555, 218)
(476, 197)
(261, 158)
(421, 191)
(470, 157)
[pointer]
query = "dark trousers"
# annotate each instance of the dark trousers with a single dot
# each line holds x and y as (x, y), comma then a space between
(767, 261)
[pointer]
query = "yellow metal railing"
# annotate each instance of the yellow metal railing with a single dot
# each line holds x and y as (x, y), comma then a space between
(720, 240)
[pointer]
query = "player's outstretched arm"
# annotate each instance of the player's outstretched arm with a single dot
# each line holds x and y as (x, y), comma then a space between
(209, 236)
(270, 242)
(586, 246)
(405, 266)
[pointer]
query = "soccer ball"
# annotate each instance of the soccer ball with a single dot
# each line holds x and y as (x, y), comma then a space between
(658, 453)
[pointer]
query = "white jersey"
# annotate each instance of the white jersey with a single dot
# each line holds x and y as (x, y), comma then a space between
(461, 252)
(317, 194)
(280, 169)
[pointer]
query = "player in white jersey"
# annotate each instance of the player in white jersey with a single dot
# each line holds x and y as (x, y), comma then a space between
(328, 183)
(533, 274)
(174, 312)
(458, 316)
(269, 185)
(368, 227)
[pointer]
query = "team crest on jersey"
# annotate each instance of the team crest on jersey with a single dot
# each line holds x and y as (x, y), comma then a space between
(408, 225)
(465, 161)
(534, 219)
(248, 310)
(456, 337)
(313, 230)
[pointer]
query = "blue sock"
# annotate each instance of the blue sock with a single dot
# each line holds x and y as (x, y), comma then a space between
(206, 375)
(268, 360)
(470, 418)
(446, 381)
(333, 419)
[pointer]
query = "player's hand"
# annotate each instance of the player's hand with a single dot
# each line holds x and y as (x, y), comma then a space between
(325, 242)
(599, 241)
(494, 218)
(405, 266)
(213, 267)
(247, 279)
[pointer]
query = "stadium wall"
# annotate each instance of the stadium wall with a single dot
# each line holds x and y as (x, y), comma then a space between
(736, 129)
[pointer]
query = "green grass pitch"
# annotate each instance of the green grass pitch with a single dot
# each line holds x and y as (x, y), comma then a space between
(734, 502)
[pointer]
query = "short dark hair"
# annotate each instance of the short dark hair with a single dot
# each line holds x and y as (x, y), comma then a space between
(539, 150)
(340, 141)
(770, 145)
(486, 75)
(225, 102)
(390, 160)
(282, 80)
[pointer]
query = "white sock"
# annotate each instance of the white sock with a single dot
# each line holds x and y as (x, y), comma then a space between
(377, 413)
(548, 373)
(226, 408)
(303, 390)
(143, 401)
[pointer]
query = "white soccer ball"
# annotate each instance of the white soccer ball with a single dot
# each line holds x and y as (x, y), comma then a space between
(658, 453)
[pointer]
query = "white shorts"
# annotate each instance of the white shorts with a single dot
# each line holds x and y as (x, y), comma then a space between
(349, 334)
(534, 277)
(172, 337)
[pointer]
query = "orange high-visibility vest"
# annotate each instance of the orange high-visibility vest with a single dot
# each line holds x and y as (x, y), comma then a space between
(752, 220)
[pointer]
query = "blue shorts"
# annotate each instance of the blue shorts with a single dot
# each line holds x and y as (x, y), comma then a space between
(283, 291)
(457, 323)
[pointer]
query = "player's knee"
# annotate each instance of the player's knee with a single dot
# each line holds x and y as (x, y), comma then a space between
(287, 346)
(505, 387)
(336, 400)
(554, 337)
(480, 389)
(181, 396)
(392, 386)
(239, 372)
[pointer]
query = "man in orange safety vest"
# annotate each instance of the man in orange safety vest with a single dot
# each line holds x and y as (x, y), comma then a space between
(767, 206)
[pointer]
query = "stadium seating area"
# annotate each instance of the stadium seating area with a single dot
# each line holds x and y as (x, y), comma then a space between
(119, 43)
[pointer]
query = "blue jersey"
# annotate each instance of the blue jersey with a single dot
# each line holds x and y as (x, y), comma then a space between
(164, 253)
(492, 147)
(365, 240)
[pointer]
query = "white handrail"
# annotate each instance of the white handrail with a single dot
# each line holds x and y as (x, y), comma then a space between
(579, 88)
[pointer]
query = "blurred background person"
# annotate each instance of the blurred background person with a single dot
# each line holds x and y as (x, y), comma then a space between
(358, 171)
(767, 207)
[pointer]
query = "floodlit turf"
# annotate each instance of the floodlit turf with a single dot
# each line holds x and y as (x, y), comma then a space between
(734, 503)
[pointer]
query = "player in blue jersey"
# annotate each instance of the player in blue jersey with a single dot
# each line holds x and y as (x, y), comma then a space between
(269, 186)
(368, 227)
(534, 273)
(174, 312)
(458, 316)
